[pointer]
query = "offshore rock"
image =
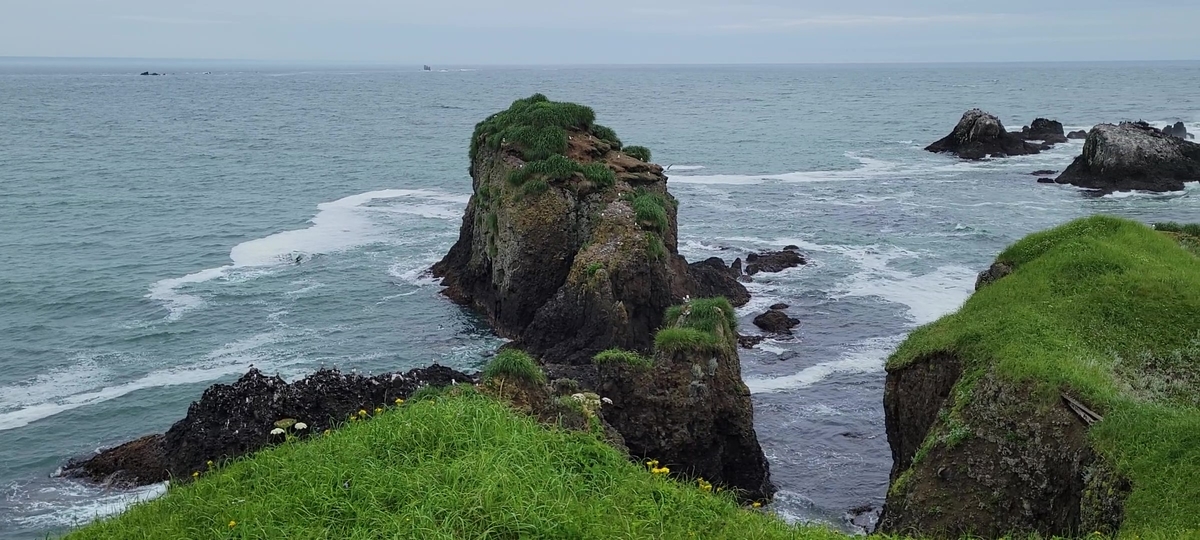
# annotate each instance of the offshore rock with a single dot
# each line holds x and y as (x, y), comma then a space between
(774, 261)
(1081, 134)
(776, 321)
(1133, 156)
(979, 135)
(1048, 131)
(232, 420)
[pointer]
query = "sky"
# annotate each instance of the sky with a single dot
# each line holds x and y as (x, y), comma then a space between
(518, 32)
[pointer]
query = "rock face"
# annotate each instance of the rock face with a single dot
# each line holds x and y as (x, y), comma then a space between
(1049, 131)
(587, 261)
(691, 411)
(996, 271)
(979, 135)
(1019, 469)
(576, 267)
(232, 420)
(776, 321)
(1081, 134)
(1133, 156)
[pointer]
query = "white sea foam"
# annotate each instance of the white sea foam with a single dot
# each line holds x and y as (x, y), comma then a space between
(339, 225)
(927, 296)
(73, 504)
(864, 357)
(868, 168)
(37, 400)
(686, 167)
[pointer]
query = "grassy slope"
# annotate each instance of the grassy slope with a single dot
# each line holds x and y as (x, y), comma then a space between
(1109, 310)
(449, 467)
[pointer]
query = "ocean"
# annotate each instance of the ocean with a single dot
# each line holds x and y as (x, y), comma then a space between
(161, 234)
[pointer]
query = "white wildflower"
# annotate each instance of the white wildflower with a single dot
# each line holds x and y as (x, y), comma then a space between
(277, 431)
(606, 401)
(299, 426)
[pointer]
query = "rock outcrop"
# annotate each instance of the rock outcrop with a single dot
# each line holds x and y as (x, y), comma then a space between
(1048, 131)
(1080, 134)
(232, 420)
(1133, 156)
(572, 250)
(774, 261)
(994, 272)
(979, 135)
(690, 410)
(776, 321)
(1178, 130)
(569, 247)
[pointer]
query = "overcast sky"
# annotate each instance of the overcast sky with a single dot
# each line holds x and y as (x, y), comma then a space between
(605, 31)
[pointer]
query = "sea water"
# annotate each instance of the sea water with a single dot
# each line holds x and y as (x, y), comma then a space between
(161, 234)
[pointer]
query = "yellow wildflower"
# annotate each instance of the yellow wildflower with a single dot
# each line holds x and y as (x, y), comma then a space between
(399, 401)
(756, 504)
(210, 463)
(378, 410)
(232, 524)
(652, 463)
(196, 474)
(327, 432)
(362, 412)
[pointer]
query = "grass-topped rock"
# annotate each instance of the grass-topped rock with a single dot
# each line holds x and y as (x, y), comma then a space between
(1060, 399)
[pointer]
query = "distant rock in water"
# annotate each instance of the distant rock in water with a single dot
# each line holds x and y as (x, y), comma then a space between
(774, 261)
(1049, 131)
(149, 73)
(426, 68)
(1178, 130)
(1045, 180)
(979, 135)
(233, 420)
(1043, 172)
(1081, 134)
(1133, 156)
(713, 278)
(776, 321)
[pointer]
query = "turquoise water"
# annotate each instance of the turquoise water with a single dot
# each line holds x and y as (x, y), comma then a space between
(160, 234)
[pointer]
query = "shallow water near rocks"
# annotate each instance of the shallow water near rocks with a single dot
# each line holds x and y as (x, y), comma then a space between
(163, 234)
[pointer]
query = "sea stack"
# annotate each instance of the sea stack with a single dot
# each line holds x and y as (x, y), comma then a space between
(979, 135)
(568, 247)
(1133, 156)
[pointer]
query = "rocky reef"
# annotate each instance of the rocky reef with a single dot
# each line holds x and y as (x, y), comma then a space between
(568, 246)
(1059, 400)
(979, 134)
(1047, 131)
(1133, 156)
(232, 420)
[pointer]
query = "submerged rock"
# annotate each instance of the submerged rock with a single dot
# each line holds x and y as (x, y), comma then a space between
(1133, 156)
(979, 135)
(232, 420)
(1081, 134)
(1049, 131)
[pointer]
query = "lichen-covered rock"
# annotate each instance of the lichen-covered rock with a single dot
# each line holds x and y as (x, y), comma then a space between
(1133, 156)
(586, 260)
(1048, 131)
(979, 135)
(1002, 465)
(232, 420)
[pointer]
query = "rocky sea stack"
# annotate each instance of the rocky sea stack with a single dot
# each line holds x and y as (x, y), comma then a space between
(979, 135)
(568, 247)
(1133, 156)
(1048, 131)
(1060, 400)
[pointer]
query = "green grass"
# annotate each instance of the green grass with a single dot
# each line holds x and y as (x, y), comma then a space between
(654, 247)
(514, 364)
(606, 134)
(623, 357)
(1191, 229)
(599, 174)
(535, 125)
(639, 152)
(1108, 310)
(557, 168)
(458, 466)
(651, 210)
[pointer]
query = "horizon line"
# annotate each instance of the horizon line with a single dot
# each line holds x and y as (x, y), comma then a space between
(379, 63)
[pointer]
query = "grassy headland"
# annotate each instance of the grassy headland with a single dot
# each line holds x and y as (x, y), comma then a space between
(1108, 310)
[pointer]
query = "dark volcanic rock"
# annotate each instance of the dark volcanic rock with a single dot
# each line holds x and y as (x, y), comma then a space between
(1049, 131)
(993, 273)
(1043, 172)
(232, 420)
(774, 261)
(749, 342)
(776, 321)
(780, 306)
(1020, 469)
(1081, 134)
(712, 278)
(1133, 155)
(1045, 180)
(979, 135)
(1178, 130)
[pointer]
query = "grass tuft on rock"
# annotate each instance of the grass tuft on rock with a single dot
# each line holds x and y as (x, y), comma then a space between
(639, 152)
(534, 125)
(623, 357)
(650, 210)
(607, 135)
(1108, 310)
(514, 364)
(459, 466)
